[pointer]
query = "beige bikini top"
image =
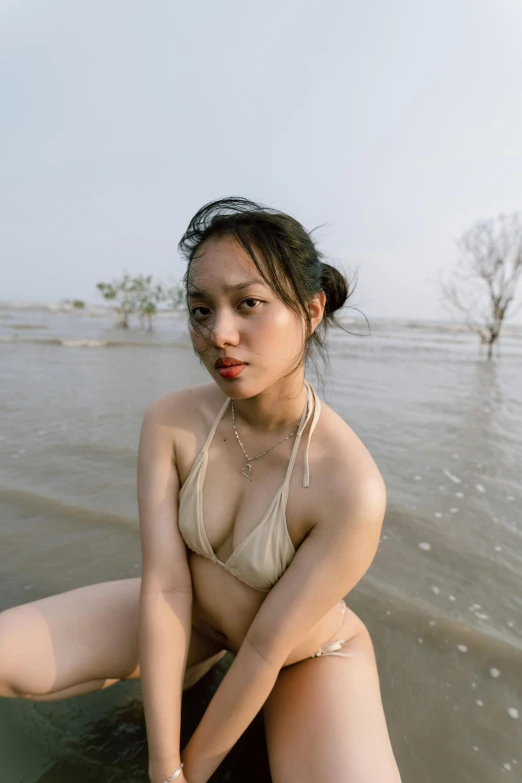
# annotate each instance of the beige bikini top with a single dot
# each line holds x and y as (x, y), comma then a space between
(263, 556)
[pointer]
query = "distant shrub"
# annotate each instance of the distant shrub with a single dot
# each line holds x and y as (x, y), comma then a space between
(175, 296)
(138, 295)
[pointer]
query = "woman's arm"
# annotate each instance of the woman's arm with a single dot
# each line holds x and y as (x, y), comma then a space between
(329, 563)
(166, 592)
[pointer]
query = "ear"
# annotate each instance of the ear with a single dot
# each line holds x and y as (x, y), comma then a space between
(316, 309)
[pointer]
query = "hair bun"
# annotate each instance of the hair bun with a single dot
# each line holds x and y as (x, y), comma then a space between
(335, 286)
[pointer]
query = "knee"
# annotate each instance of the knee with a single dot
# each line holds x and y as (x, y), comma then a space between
(20, 649)
(10, 627)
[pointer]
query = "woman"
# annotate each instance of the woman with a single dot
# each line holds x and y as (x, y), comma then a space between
(259, 509)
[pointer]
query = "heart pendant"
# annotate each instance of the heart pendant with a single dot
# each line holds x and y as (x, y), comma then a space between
(247, 470)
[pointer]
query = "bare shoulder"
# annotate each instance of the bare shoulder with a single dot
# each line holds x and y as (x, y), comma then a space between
(173, 407)
(344, 464)
(184, 416)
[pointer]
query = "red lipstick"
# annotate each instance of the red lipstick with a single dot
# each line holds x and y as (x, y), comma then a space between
(231, 372)
(228, 367)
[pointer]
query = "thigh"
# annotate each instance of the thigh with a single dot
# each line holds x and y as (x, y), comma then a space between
(325, 720)
(83, 635)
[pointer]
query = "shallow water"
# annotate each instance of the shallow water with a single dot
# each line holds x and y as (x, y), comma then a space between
(442, 599)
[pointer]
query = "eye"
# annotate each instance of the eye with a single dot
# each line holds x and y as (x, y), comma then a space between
(251, 299)
(193, 311)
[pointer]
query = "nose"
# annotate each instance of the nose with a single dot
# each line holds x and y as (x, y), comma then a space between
(224, 329)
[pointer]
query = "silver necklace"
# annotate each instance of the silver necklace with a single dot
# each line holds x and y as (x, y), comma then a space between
(247, 469)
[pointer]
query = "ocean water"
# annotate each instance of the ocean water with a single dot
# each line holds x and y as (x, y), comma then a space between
(442, 599)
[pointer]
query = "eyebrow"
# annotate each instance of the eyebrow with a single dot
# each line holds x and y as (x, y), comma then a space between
(236, 287)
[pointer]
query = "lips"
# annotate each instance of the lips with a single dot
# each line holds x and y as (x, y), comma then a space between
(231, 372)
(229, 361)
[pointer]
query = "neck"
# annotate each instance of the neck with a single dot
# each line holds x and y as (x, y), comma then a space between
(274, 409)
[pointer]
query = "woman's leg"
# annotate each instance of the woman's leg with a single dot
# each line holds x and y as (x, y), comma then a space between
(324, 720)
(81, 641)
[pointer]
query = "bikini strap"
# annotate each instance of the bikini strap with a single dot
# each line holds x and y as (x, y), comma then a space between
(311, 397)
(315, 419)
(307, 412)
(215, 425)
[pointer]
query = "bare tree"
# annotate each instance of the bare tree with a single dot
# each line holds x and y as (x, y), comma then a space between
(482, 288)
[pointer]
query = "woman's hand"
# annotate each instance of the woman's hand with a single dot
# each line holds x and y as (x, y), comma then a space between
(157, 773)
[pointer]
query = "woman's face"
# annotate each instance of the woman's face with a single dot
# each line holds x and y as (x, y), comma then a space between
(239, 317)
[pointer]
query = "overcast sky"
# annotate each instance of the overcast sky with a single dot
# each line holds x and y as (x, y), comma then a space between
(397, 124)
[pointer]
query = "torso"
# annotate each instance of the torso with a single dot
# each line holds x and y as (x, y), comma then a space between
(224, 607)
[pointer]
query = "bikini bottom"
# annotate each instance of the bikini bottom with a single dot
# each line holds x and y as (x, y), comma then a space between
(194, 673)
(332, 648)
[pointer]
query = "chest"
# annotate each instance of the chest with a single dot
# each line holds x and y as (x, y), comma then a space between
(233, 506)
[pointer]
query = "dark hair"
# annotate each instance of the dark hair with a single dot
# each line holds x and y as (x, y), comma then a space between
(295, 269)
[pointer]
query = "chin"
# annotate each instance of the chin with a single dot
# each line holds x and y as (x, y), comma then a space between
(239, 388)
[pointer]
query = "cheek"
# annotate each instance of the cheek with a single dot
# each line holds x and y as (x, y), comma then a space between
(199, 339)
(282, 328)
